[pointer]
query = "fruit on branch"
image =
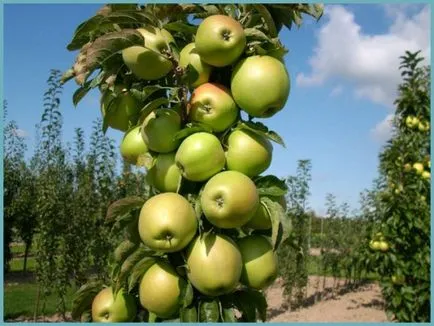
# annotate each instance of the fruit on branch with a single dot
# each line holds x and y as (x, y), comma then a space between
(220, 40)
(133, 146)
(248, 152)
(159, 129)
(259, 261)
(119, 108)
(164, 175)
(411, 121)
(189, 55)
(426, 175)
(229, 199)
(200, 156)
(260, 85)
(261, 219)
(383, 246)
(160, 289)
(167, 222)
(418, 167)
(423, 126)
(398, 279)
(150, 61)
(374, 245)
(109, 309)
(213, 105)
(407, 167)
(214, 264)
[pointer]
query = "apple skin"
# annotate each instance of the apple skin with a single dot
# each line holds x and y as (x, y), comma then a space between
(398, 279)
(106, 309)
(229, 199)
(189, 55)
(426, 175)
(248, 152)
(160, 289)
(418, 167)
(214, 264)
(147, 62)
(375, 245)
(167, 222)
(213, 105)
(133, 145)
(159, 129)
(261, 220)
(200, 156)
(164, 175)
(383, 246)
(260, 267)
(125, 105)
(260, 85)
(220, 40)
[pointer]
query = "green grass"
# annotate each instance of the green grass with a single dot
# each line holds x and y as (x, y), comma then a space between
(20, 300)
(17, 264)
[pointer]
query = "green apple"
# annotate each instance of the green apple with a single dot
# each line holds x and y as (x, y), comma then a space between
(398, 279)
(383, 246)
(164, 175)
(167, 222)
(220, 40)
(261, 219)
(229, 199)
(418, 167)
(133, 146)
(411, 121)
(159, 129)
(200, 156)
(109, 309)
(374, 245)
(407, 167)
(260, 85)
(121, 108)
(426, 175)
(189, 56)
(213, 105)
(259, 262)
(160, 290)
(214, 264)
(248, 152)
(148, 61)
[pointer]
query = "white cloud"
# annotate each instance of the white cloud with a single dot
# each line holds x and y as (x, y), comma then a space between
(369, 62)
(383, 130)
(337, 90)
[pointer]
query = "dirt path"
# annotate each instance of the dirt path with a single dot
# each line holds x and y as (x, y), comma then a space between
(364, 304)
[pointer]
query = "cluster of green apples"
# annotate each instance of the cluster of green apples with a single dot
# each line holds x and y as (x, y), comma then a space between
(413, 122)
(424, 170)
(379, 243)
(223, 161)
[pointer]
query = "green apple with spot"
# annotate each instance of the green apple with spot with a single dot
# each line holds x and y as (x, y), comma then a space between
(164, 175)
(200, 156)
(220, 40)
(248, 152)
(212, 104)
(159, 129)
(260, 85)
(109, 309)
(167, 222)
(160, 289)
(190, 56)
(148, 61)
(214, 264)
(229, 199)
(260, 266)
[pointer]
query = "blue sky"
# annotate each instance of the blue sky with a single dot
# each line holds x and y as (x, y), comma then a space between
(343, 72)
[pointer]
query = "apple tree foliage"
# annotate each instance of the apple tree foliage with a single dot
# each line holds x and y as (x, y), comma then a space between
(99, 65)
(401, 203)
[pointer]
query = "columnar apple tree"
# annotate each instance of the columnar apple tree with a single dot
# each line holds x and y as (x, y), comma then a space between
(186, 85)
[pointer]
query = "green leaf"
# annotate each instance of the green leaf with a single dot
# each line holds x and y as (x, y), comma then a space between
(208, 310)
(123, 206)
(146, 92)
(139, 270)
(80, 93)
(270, 185)
(86, 316)
(245, 306)
(82, 299)
(84, 31)
(67, 75)
(153, 105)
(262, 130)
(256, 34)
(281, 224)
(192, 128)
(186, 295)
(124, 249)
(182, 27)
(188, 315)
(267, 18)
